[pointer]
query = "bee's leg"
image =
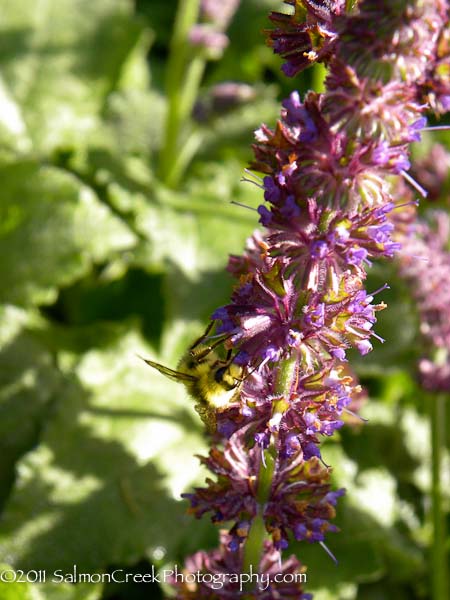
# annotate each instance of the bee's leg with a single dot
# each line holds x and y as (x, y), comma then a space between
(248, 374)
(224, 364)
(205, 350)
(204, 335)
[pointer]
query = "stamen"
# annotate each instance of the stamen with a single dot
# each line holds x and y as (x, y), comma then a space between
(243, 205)
(324, 463)
(263, 458)
(423, 192)
(295, 484)
(380, 339)
(436, 128)
(415, 202)
(381, 289)
(350, 412)
(254, 175)
(328, 551)
(253, 179)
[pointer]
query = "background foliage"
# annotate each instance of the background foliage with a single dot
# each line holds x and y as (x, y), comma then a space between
(100, 262)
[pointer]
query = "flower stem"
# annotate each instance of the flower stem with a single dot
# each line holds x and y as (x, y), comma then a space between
(180, 159)
(319, 74)
(254, 544)
(286, 376)
(438, 565)
(184, 73)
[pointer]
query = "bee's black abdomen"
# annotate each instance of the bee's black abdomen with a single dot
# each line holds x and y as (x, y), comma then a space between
(222, 377)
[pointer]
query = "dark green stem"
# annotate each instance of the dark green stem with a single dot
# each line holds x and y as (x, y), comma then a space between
(438, 550)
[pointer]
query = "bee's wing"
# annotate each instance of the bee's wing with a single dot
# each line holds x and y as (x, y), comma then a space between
(170, 373)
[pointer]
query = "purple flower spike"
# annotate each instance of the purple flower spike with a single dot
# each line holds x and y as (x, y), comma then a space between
(426, 266)
(337, 197)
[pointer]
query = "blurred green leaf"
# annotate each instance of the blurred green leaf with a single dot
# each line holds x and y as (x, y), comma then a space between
(52, 228)
(59, 61)
(29, 381)
(195, 230)
(136, 118)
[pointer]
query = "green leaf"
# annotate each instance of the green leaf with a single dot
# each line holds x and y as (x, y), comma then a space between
(198, 229)
(194, 230)
(67, 591)
(52, 228)
(10, 589)
(103, 485)
(137, 119)
(365, 446)
(13, 131)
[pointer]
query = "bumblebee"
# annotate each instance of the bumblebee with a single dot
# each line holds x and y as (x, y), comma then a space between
(212, 382)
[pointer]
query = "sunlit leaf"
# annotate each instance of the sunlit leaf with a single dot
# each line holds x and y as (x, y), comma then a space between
(103, 486)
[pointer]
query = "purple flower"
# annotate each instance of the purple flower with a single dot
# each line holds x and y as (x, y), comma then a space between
(304, 41)
(220, 574)
(432, 171)
(390, 110)
(308, 158)
(209, 34)
(299, 494)
(434, 88)
(400, 46)
(205, 36)
(300, 502)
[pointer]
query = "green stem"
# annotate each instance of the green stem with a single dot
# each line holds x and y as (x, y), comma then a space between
(185, 155)
(438, 551)
(254, 544)
(179, 159)
(287, 372)
(319, 74)
(184, 73)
